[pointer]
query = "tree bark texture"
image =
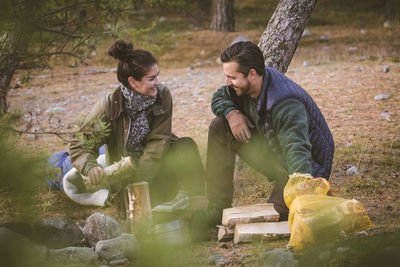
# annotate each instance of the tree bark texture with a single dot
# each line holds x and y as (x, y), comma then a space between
(281, 37)
(389, 10)
(8, 65)
(223, 18)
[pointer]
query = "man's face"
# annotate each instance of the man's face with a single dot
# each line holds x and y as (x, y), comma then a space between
(236, 79)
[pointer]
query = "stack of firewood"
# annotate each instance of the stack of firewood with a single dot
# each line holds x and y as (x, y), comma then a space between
(245, 223)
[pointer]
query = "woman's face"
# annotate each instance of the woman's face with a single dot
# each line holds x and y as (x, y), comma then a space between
(148, 85)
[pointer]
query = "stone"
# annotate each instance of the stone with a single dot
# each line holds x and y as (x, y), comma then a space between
(72, 256)
(118, 262)
(16, 250)
(352, 170)
(382, 97)
(121, 247)
(386, 68)
(306, 33)
(213, 259)
(100, 226)
(59, 232)
(388, 24)
(385, 115)
(55, 110)
(240, 38)
(306, 64)
(323, 38)
(278, 258)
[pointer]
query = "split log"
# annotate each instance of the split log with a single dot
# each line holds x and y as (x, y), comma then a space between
(225, 233)
(249, 214)
(117, 167)
(137, 203)
(126, 164)
(247, 232)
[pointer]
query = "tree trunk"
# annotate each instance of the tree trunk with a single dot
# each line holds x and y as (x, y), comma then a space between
(9, 63)
(390, 11)
(279, 41)
(223, 18)
(138, 5)
(8, 66)
(204, 6)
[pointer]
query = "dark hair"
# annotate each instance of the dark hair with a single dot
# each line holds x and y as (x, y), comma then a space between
(132, 62)
(247, 54)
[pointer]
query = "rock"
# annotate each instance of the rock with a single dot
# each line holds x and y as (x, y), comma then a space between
(162, 19)
(388, 24)
(386, 68)
(118, 262)
(352, 48)
(55, 110)
(100, 226)
(121, 247)
(213, 259)
(306, 33)
(42, 76)
(31, 136)
(94, 71)
(80, 256)
(306, 64)
(323, 38)
(362, 31)
(352, 170)
(59, 233)
(382, 97)
(239, 39)
(16, 250)
(385, 115)
(277, 258)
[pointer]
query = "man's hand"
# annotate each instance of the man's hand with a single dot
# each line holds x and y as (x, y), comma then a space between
(239, 125)
(95, 175)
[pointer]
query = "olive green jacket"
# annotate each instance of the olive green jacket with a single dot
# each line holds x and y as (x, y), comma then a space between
(111, 110)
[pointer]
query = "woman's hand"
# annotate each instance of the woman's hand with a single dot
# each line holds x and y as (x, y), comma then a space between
(95, 175)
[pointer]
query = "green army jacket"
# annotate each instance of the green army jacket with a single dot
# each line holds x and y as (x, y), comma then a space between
(111, 110)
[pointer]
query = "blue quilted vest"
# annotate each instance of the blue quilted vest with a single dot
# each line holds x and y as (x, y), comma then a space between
(276, 88)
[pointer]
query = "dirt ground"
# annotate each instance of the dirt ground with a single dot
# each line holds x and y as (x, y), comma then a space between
(365, 136)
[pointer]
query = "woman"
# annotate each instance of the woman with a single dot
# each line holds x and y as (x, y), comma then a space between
(138, 116)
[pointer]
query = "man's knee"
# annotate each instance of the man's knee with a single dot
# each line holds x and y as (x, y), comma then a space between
(219, 127)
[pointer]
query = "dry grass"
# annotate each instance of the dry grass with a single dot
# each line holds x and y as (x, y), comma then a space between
(343, 82)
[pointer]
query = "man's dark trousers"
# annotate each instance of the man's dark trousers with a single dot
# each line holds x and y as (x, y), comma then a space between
(221, 154)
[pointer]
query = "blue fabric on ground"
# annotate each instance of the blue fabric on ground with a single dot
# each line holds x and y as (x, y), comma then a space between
(62, 160)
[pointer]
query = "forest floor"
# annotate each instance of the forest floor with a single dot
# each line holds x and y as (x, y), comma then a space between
(342, 76)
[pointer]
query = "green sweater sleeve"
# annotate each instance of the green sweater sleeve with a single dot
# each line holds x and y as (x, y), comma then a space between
(290, 121)
(222, 102)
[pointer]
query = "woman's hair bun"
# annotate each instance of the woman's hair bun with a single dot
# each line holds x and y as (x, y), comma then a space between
(120, 50)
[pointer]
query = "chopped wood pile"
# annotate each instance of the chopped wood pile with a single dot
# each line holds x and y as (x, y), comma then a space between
(245, 223)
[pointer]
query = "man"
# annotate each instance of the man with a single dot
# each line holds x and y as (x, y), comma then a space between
(270, 122)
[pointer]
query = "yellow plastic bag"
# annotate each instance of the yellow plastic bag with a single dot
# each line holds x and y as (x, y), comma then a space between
(315, 218)
(300, 184)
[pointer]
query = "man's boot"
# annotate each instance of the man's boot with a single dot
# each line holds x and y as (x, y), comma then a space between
(198, 222)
